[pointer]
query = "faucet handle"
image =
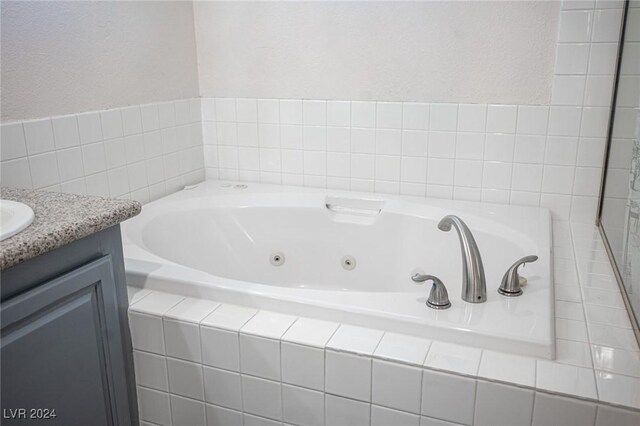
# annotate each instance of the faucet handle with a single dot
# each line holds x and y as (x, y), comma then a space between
(510, 285)
(438, 297)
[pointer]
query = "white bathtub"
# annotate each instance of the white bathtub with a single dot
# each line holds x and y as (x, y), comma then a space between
(217, 241)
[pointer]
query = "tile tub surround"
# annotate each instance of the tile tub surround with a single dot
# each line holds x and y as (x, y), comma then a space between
(203, 362)
(142, 152)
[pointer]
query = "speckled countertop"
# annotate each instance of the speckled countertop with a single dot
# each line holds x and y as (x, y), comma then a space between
(60, 219)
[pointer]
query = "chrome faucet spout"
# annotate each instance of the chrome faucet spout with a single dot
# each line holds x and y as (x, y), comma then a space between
(474, 287)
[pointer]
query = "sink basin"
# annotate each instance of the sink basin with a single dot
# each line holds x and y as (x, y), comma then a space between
(14, 217)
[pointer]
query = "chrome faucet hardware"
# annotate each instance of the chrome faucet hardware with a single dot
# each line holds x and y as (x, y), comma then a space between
(510, 285)
(438, 296)
(474, 287)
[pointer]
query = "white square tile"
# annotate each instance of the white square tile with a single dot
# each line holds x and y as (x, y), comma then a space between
(468, 173)
(315, 138)
(389, 115)
(498, 404)
(137, 175)
(508, 368)
(602, 58)
(191, 310)
(472, 117)
(414, 169)
(262, 397)
(615, 416)
(248, 158)
(448, 397)
(152, 142)
(381, 416)
(571, 330)
(338, 139)
(598, 90)
(387, 167)
(595, 121)
(575, 26)
(248, 134)
(553, 409)
(499, 147)
(250, 420)
(268, 111)
(496, 175)
(440, 171)
(501, 118)
(564, 121)
(90, 127)
(166, 115)
(65, 131)
(260, 357)
(442, 144)
(303, 366)
(185, 378)
(342, 411)
(529, 149)
(111, 124)
(131, 120)
(606, 25)
(338, 113)
(396, 386)
(314, 113)
(268, 324)
(44, 170)
(302, 406)
(156, 303)
(115, 153)
(183, 115)
(94, 158)
(226, 109)
(338, 164)
(12, 140)
(470, 146)
(468, 194)
(182, 340)
(363, 114)
(388, 142)
(246, 111)
(348, 375)
(292, 161)
(363, 140)
(38, 136)
(270, 160)
(568, 90)
(223, 388)
(415, 116)
(443, 117)
(618, 389)
(151, 370)
(315, 163)
(607, 316)
(70, 163)
(527, 177)
(153, 406)
(310, 332)
(532, 120)
(135, 294)
(187, 411)
(616, 360)
(456, 358)
(354, 339)
(220, 348)
(219, 416)
(290, 111)
(149, 117)
(566, 379)
(557, 179)
(572, 58)
(362, 166)
(97, 185)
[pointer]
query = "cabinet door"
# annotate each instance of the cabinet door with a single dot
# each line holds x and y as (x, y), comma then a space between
(60, 349)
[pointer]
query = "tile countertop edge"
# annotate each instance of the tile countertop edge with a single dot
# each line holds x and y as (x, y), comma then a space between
(60, 219)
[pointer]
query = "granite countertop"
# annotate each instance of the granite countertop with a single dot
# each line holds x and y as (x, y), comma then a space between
(59, 219)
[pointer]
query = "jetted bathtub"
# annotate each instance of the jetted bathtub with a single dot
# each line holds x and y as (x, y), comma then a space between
(347, 257)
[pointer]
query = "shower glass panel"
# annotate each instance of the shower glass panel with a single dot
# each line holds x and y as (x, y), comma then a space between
(620, 199)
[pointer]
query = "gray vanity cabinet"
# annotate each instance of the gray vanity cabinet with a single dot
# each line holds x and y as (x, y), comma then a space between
(65, 360)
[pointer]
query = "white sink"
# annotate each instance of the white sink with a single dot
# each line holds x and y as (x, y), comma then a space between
(14, 217)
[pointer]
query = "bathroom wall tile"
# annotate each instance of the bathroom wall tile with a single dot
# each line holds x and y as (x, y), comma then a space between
(564, 121)
(575, 26)
(135, 294)
(314, 138)
(527, 177)
(303, 365)
(97, 185)
(508, 368)
(185, 378)
(618, 389)
(348, 375)
(355, 339)
(468, 173)
(12, 141)
(302, 406)
(602, 58)
(260, 357)
(363, 114)
(111, 124)
(156, 303)
(616, 360)
(529, 149)
(566, 379)
(226, 109)
(501, 118)
(571, 330)
(568, 90)
(38, 136)
(552, 409)
(470, 146)
(343, 411)
(606, 25)
(70, 163)
(415, 116)
(222, 416)
(496, 175)
(220, 348)
(440, 171)
(396, 386)
(598, 90)
(532, 120)
(314, 113)
(187, 411)
(448, 397)
(65, 131)
(381, 416)
(44, 170)
(191, 310)
(149, 117)
(443, 117)
(222, 388)
(442, 144)
(456, 358)
(131, 120)
(151, 370)
(615, 416)
(94, 158)
(310, 332)
(389, 115)
(290, 111)
(388, 142)
(338, 139)
(572, 58)
(268, 324)
(499, 147)
(154, 406)
(498, 404)
(262, 397)
(595, 121)
(472, 117)
(363, 140)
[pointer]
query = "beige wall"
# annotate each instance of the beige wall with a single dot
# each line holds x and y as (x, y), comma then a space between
(66, 57)
(485, 52)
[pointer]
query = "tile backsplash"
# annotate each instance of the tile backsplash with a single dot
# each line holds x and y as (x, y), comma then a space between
(142, 152)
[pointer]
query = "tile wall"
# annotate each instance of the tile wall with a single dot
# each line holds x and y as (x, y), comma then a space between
(142, 152)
